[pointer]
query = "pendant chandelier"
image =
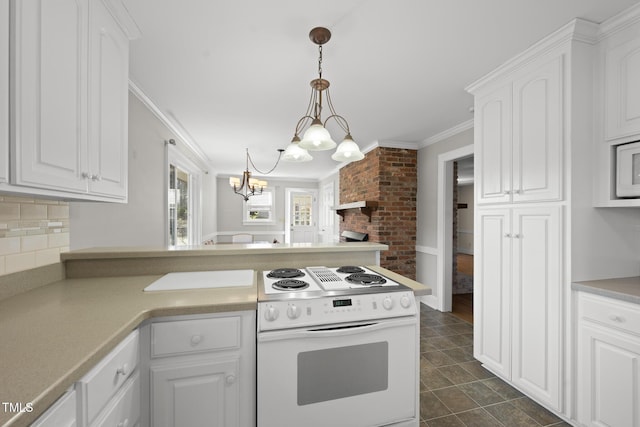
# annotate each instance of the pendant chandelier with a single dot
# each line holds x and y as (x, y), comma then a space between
(316, 137)
(248, 186)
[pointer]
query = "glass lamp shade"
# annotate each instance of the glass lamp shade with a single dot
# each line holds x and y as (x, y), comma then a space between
(234, 181)
(348, 151)
(317, 138)
(293, 153)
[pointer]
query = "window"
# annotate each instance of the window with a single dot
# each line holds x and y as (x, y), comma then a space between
(183, 201)
(259, 208)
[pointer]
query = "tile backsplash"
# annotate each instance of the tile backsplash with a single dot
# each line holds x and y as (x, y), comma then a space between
(33, 232)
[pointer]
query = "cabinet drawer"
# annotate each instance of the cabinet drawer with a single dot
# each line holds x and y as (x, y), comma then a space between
(610, 312)
(124, 409)
(61, 414)
(191, 336)
(104, 380)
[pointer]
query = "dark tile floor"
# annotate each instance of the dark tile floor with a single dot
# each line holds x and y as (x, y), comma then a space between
(455, 390)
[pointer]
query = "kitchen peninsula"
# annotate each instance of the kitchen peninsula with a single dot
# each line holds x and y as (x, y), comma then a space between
(54, 334)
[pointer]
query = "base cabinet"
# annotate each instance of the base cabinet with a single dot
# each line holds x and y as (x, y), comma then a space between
(608, 381)
(195, 393)
(518, 298)
(199, 371)
(61, 414)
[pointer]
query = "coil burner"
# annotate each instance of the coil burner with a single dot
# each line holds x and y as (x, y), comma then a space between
(290, 285)
(350, 269)
(285, 273)
(365, 279)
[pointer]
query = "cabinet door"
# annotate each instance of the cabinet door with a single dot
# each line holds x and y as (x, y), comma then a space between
(108, 109)
(4, 91)
(61, 414)
(195, 393)
(492, 294)
(622, 89)
(493, 146)
(536, 302)
(608, 377)
(537, 133)
(49, 99)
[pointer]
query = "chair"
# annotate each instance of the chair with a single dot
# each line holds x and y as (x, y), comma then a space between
(242, 238)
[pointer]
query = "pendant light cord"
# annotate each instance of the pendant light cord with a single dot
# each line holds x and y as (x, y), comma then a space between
(250, 160)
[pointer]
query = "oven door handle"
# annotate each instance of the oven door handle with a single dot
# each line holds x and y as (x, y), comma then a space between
(336, 330)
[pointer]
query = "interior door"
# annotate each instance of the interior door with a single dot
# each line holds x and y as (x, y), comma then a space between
(302, 216)
(327, 214)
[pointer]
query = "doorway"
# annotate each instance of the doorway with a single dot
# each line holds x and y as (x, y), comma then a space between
(301, 217)
(462, 236)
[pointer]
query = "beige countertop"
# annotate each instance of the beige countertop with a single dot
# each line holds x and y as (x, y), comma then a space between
(220, 249)
(623, 288)
(53, 335)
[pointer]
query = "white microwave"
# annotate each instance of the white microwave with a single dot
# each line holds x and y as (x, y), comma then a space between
(628, 170)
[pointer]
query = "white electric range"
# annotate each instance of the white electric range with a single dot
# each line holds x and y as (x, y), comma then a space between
(336, 346)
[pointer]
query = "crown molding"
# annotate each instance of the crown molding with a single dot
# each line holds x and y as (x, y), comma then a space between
(120, 12)
(447, 133)
(619, 22)
(577, 30)
(180, 133)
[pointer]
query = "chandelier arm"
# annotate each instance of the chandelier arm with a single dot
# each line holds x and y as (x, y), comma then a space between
(250, 160)
(342, 122)
(302, 123)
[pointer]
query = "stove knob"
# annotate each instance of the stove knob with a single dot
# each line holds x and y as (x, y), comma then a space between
(271, 313)
(405, 301)
(387, 303)
(293, 312)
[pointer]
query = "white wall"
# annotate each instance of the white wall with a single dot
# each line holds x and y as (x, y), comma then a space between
(140, 222)
(427, 205)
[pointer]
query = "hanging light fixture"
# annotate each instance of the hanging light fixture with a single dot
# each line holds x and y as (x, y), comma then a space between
(316, 137)
(248, 186)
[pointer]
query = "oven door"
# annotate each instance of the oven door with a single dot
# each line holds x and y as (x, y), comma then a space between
(357, 374)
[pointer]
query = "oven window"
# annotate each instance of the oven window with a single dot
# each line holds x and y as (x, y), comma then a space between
(340, 372)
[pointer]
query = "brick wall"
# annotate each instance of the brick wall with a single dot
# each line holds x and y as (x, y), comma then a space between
(33, 232)
(388, 176)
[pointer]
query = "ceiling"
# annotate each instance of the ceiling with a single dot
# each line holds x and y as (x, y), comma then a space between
(235, 74)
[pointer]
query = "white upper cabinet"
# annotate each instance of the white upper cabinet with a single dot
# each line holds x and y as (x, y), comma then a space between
(493, 146)
(108, 107)
(4, 90)
(518, 136)
(537, 133)
(49, 76)
(617, 102)
(70, 104)
(622, 86)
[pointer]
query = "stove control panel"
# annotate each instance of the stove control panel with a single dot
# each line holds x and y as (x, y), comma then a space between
(294, 313)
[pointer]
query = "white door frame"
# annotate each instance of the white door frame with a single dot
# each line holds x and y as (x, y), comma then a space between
(287, 219)
(445, 225)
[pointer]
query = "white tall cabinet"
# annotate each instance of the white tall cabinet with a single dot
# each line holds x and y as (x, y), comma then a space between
(529, 115)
